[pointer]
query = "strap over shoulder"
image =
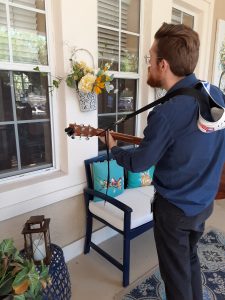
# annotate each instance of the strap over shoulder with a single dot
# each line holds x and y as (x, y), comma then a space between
(211, 114)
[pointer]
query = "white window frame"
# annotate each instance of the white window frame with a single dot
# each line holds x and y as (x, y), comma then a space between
(13, 66)
(128, 75)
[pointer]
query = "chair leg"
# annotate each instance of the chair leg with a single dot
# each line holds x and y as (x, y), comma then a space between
(126, 261)
(88, 233)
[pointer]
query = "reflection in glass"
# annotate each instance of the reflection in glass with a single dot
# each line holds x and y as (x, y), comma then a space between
(108, 48)
(6, 113)
(39, 4)
(108, 13)
(188, 20)
(176, 16)
(105, 122)
(4, 52)
(107, 101)
(28, 33)
(127, 127)
(130, 15)
(127, 95)
(31, 95)
(35, 144)
(8, 157)
(179, 17)
(129, 53)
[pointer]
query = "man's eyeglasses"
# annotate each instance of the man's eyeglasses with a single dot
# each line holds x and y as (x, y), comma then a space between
(148, 59)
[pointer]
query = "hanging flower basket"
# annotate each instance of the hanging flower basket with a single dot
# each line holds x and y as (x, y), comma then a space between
(88, 101)
(85, 80)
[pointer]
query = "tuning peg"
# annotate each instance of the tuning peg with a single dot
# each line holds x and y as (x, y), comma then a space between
(87, 138)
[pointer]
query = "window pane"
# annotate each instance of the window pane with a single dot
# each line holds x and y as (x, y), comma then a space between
(127, 95)
(130, 15)
(28, 33)
(127, 127)
(107, 102)
(108, 47)
(188, 20)
(4, 48)
(6, 112)
(176, 16)
(31, 95)
(35, 144)
(129, 53)
(8, 157)
(108, 13)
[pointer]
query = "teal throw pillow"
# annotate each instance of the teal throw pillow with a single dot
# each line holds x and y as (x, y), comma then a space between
(144, 178)
(116, 180)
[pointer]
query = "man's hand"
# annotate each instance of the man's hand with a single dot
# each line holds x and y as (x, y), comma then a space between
(110, 140)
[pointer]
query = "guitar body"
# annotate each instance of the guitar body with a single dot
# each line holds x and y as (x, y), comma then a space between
(88, 131)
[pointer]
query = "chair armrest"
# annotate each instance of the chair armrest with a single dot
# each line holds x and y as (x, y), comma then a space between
(109, 199)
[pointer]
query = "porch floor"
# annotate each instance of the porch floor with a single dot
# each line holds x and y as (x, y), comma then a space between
(94, 278)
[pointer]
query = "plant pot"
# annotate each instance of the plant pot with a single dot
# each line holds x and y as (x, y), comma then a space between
(88, 101)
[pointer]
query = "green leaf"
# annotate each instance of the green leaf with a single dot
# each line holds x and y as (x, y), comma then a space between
(19, 297)
(56, 83)
(36, 69)
(21, 276)
(6, 287)
(7, 246)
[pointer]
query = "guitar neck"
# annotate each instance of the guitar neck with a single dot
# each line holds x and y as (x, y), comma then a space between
(124, 137)
(88, 131)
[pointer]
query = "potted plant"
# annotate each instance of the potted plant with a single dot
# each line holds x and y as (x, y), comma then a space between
(85, 80)
(20, 279)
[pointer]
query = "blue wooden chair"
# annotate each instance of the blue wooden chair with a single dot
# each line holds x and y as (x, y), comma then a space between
(129, 214)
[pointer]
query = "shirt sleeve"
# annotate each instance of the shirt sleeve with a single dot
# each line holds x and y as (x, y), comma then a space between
(157, 139)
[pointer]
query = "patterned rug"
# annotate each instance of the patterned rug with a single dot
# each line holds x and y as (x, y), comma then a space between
(211, 250)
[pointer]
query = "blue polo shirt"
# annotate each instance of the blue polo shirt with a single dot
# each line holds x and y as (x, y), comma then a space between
(188, 162)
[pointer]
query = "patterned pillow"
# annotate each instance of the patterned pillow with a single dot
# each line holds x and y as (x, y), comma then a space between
(116, 180)
(140, 179)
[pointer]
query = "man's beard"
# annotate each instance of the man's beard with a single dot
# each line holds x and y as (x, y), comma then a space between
(154, 82)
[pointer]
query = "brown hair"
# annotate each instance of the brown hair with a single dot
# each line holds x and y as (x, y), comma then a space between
(179, 45)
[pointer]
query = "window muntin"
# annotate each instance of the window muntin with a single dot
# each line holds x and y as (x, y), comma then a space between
(180, 17)
(118, 33)
(112, 106)
(118, 43)
(25, 129)
(25, 124)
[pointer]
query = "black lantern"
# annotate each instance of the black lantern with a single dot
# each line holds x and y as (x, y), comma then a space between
(37, 243)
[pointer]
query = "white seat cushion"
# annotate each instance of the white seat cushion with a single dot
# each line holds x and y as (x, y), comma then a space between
(139, 199)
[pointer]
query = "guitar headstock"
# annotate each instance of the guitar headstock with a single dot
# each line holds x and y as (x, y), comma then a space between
(81, 131)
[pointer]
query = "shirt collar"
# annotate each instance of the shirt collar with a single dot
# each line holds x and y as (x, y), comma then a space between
(187, 81)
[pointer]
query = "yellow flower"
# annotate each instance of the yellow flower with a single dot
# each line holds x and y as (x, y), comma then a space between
(86, 83)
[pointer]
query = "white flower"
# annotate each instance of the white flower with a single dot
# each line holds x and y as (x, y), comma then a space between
(86, 83)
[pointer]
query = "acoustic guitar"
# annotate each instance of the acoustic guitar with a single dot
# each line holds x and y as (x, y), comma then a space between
(88, 131)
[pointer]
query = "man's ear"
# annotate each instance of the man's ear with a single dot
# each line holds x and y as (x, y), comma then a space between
(164, 65)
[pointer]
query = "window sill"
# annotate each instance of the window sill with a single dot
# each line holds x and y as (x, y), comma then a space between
(26, 195)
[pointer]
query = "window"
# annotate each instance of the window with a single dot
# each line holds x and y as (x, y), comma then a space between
(25, 127)
(180, 17)
(118, 43)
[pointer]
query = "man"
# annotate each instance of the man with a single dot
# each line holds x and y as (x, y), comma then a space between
(188, 161)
